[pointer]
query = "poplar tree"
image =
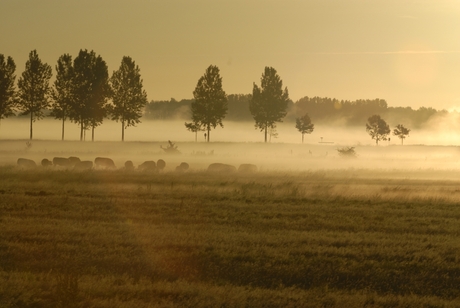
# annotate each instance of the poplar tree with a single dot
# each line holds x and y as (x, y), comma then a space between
(91, 90)
(210, 104)
(34, 89)
(62, 93)
(128, 98)
(7, 88)
(269, 101)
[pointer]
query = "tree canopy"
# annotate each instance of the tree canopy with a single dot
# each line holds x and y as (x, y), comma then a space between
(210, 105)
(377, 128)
(269, 101)
(128, 98)
(34, 89)
(7, 88)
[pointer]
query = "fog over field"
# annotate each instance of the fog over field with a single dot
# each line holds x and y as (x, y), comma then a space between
(444, 132)
(236, 143)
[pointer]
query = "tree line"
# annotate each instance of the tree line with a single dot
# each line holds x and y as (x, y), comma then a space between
(325, 111)
(83, 92)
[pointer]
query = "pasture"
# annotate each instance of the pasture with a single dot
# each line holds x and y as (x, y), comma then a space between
(306, 230)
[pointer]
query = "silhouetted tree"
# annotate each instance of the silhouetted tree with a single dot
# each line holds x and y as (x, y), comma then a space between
(194, 128)
(377, 128)
(269, 102)
(304, 125)
(34, 89)
(401, 132)
(7, 89)
(91, 91)
(63, 89)
(128, 96)
(210, 105)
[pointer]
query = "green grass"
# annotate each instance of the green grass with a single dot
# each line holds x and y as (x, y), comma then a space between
(349, 238)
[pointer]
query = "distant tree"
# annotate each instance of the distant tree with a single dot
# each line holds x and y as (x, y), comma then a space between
(91, 91)
(210, 105)
(269, 102)
(62, 92)
(34, 89)
(168, 110)
(128, 98)
(304, 125)
(7, 89)
(377, 128)
(238, 107)
(401, 132)
(194, 128)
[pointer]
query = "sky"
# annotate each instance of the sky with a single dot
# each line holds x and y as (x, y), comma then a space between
(404, 51)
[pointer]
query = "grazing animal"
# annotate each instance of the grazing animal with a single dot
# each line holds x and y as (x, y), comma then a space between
(26, 163)
(104, 162)
(182, 167)
(247, 168)
(74, 160)
(161, 164)
(62, 162)
(149, 165)
(218, 167)
(83, 165)
(129, 165)
(46, 162)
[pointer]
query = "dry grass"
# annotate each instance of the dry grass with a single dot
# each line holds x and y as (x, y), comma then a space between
(271, 239)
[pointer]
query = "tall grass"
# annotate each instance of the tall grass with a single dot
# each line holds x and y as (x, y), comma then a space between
(272, 239)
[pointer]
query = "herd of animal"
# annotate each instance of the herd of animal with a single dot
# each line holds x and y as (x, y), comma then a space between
(74, 163)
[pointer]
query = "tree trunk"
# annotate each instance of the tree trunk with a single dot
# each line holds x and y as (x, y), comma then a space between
(81, 131)
(31, 120)
(208, 134)
(302, 138)
(92, 134)
(63, 119)
(265, 133)
(196, 136)
(123, 130)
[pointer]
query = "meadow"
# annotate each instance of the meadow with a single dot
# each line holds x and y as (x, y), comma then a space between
(306, 230)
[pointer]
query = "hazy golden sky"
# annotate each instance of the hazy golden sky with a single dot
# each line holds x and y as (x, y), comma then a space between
(407, 52)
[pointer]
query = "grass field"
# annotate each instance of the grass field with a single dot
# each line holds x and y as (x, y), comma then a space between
(318, 237)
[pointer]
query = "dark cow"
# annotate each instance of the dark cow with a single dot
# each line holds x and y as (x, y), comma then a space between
(61, 162)
(46, 162)
(105, 163)
(149, 165)
(219, 167)
(83, 165)
(26, 163)
(129, 165)
(161, 164)
(247, 168)
(182, 167)
(74, 160)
